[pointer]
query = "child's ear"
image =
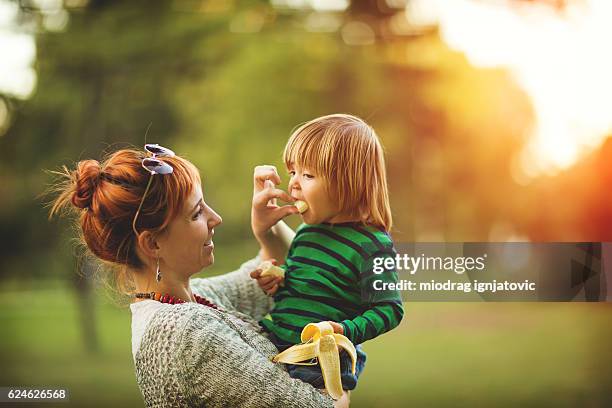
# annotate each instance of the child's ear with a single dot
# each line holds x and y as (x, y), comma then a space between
(147, 242)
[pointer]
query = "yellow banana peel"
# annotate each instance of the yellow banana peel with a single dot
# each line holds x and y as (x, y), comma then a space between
(320, 343)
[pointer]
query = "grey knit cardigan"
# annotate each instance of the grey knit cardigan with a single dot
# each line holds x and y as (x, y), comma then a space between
(195, 356)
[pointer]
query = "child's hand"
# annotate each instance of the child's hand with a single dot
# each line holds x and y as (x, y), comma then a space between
(269, 284)
(338, 328)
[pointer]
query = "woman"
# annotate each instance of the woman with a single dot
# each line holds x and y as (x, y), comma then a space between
(195, 342)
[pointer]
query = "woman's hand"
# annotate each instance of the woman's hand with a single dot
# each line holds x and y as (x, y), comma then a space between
(273, 235)
(265, 213)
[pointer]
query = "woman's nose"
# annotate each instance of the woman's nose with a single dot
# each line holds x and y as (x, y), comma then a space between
(214, 219)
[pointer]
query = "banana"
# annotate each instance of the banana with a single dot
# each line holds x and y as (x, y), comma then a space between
(301, 206)
(268, 268)
(320, 343)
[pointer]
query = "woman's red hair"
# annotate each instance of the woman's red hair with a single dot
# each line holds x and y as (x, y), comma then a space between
(106, 195)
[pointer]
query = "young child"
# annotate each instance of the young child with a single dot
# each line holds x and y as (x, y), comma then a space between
(337, 168)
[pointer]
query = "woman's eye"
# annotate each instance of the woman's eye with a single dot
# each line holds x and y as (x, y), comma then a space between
(308, 176)
(196, 215)
(291, 173)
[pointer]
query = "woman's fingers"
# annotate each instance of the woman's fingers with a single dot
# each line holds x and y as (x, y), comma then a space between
(269, 185)
(264, 211)
(262, 198)
(255, 274)
(286, 210)
(278, 193)
(263, 173)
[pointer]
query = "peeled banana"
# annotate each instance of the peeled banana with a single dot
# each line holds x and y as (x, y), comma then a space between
(301, 206)
(321, 343)
(268, 268)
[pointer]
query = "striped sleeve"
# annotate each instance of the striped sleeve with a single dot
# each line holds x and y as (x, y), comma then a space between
(382, 310)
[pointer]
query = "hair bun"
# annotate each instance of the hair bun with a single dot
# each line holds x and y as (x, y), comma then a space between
(87, 175)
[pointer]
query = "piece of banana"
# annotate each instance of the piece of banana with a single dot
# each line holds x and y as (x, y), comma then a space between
(268, 268)
(321, 343)
(301, 206)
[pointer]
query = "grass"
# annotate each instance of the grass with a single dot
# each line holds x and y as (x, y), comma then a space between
(442, 355)
(492, 354)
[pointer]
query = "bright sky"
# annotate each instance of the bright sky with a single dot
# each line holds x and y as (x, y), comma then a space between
(562, 61)
(318, 5)
(17, 54)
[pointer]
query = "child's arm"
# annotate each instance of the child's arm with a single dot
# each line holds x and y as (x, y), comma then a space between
(378, 319)
(383, 310)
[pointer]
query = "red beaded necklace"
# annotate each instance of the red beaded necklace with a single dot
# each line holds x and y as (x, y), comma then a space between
(174, 300)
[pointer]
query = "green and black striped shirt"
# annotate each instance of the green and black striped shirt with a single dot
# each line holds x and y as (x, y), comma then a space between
(328, 276)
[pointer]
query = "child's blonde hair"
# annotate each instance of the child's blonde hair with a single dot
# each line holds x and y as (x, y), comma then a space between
(346, 152)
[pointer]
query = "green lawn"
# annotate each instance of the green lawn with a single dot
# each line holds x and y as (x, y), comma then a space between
(442, 355)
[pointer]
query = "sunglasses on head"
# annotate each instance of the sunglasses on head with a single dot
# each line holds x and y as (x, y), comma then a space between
(154, 166)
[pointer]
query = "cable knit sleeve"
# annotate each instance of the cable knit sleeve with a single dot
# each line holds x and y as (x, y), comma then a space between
(236, 290)
(226, 371)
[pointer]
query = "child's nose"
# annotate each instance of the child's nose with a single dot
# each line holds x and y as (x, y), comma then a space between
(294, 183)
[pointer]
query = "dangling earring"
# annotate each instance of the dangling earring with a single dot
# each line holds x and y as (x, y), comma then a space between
(158, 275)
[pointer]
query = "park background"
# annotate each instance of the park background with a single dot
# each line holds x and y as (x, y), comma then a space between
(496, 117)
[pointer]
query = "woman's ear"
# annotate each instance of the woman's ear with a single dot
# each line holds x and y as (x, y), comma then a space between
(147, 242)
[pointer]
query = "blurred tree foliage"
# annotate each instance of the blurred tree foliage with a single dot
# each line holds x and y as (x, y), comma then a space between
(225, 99)
(224, 83)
